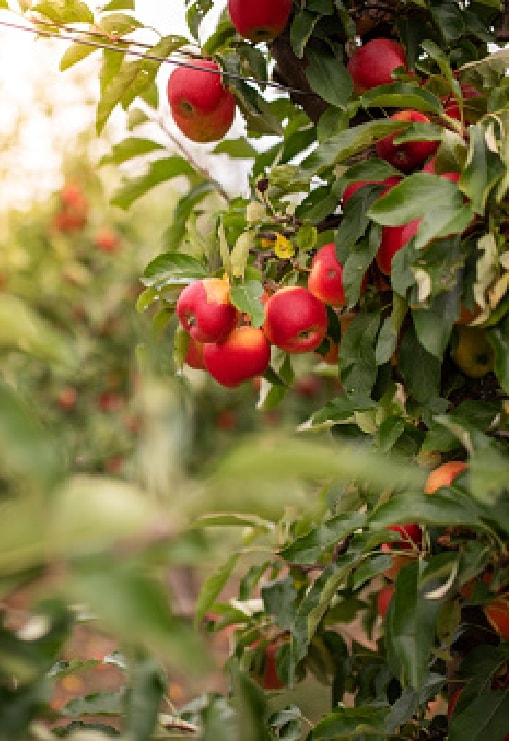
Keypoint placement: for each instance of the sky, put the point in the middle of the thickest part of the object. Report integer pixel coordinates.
(43, 110)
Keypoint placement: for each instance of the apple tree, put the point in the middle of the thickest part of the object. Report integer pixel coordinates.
(370, 238)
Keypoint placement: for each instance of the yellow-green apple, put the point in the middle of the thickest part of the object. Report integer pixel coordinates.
(383, 599)
(260, 20)
(200, 104)
(408, 155)
(295, 320)
(472, 352)
(373, 63)
(244, 354)
(444, 475)
(205, 310)
(194, 355)
(354, 187)
(393, 239)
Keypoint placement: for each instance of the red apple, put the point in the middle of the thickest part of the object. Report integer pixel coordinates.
(194, 355)
(271, 679)
(353, 187)
(205, 310)
(244, 354)
(408, 155)
(107, 240)
(259, 20)
(383, 599)
(295, 320)
(200, 104)
(373, 63)
(393, 239)
(411, 537)
(325, 280)
(67, 398)
(443, 475)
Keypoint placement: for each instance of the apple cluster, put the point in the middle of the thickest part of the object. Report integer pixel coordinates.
(202, 106)
(225, 344)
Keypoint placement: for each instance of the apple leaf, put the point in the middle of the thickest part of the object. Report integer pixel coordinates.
(157, 172)
(246, 297)
(499, 339)
(416, 196)
(75, 53)
(357, 361)
(310, 547)
(349, 142)
(401, 95)
(173, 267)
(213, 586)
(348, 723)
(411, 627)
(419, 368)
(482, 171)
(71, 11)
(328, 77)
(129, 148)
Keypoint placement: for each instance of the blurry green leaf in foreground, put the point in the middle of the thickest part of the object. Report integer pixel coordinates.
(21, 328)
(252, 477)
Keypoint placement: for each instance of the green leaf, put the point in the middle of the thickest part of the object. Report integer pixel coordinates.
(185, 208)
(433, 325)
(118, 5)
(411, 627)
(65, 11)
(237, 148)
(351, 723)
(239, 255)
(310, 547)
(401, 95)
(347, 143)
(118, 24)
(328, 77)
(157, 172)
(419, 368)
(129, 148)
(143, 699)
(213, 587)
(357, 361)
(499, 339)
(173, 267)
(76, 53)
(483, 169)
(414, 197)
(442, 509)
(279, 600)
(96, 703)
(246, 297)
(301, 29)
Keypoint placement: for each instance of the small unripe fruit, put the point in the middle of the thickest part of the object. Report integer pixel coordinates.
(373, 63)
(295, 320)
(200, 104)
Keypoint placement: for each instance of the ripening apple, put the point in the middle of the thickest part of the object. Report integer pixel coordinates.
(201, 106)
(205, 310)
(295, 320)
(408, 155)
(325, 280)
(451, 105)
(107, 240)
(444, 475)
(410, 542)
(373, 63)
(393, 239)
(383, 599)
(244, 354)
(472, 352)
(497, 614)
(194, 355)
(259, 21)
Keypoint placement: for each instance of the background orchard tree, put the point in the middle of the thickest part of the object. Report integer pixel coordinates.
(420, 328)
